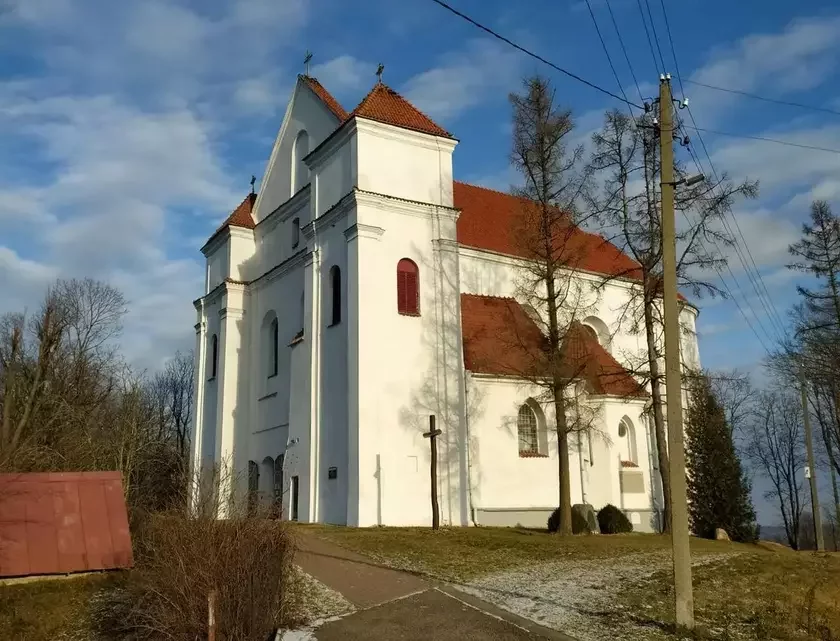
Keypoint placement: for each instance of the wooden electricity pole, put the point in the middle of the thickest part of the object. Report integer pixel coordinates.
(432, 435)
(683, 595)
(812, 472)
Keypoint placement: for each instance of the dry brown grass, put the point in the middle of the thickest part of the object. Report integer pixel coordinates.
(51, 609)
(458, 554)
(761, 594)
(741, 591)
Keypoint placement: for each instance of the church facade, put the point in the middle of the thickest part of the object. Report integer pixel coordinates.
(364, 290)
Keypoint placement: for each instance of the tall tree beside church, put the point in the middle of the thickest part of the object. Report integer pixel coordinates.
(554, 182)
(626, 162)
(718, 489)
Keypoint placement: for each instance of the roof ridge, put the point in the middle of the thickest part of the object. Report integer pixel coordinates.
(325, 96)
(510, 298)
(490, 189)
(386, 114)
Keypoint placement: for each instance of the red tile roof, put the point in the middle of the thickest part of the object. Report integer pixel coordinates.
(590, 361)
(383, 104)
(326, 97)
(492, 220)
(241, 216)
(500, 338)
(57, 523)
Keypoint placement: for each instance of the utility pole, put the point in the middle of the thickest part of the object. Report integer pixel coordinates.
(683, 595)
(812, 472)
(432, 435)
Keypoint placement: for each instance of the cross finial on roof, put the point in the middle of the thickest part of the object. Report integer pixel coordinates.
(306, 59)
(379, 71)
(253, 182)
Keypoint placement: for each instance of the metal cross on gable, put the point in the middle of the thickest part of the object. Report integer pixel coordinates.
(379, 71)
(306, 60)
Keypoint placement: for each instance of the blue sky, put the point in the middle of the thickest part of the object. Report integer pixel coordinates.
(128, 130)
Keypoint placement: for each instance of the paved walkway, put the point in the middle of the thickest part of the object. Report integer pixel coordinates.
(396, 605)
(357, 578)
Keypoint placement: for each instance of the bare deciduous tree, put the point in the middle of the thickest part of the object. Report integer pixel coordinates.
(626, 161)
(775, 448)
(547, 235)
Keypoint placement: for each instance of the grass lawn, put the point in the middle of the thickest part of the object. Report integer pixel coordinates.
(50, 609)
(459, 554)
(741, 591)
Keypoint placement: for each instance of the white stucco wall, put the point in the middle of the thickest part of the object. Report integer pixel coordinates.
(305, 112)
(404, 164)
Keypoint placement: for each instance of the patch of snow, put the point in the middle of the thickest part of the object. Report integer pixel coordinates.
(577, 597)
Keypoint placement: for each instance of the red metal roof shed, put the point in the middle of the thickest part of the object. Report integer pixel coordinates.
(58, 523)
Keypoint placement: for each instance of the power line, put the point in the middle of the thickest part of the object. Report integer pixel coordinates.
(755, 96)
(624, 49)
(766, 303)
(655, 35)
(647, 33)
(609, 57)
(763, 139)
(732, 296)
(533, 55)
(673, 51)
(756, 279)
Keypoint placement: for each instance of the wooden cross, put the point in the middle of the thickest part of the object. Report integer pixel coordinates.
(306, 60)
(379, 71)
(432, 435)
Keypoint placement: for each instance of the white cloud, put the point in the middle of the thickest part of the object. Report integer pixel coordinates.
(799, 57)
(345, 74)
(466, 78)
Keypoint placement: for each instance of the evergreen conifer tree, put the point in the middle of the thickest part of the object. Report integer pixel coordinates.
(718, 489)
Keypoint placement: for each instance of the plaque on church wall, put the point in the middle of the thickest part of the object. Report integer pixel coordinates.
(332, 473)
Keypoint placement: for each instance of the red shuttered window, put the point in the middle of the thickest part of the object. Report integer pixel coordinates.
(408, 288)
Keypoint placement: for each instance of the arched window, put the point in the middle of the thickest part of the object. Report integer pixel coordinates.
(278, 485)
(267, 482)
(214, 355)
(253, 486)
(295, 232)
(408, 288)
(335, 290)
(627, 441)
(274, 341)
(526, 426)
(598, 329)
(300, 172)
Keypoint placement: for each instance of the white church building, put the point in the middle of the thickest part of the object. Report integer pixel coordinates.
(363, 290)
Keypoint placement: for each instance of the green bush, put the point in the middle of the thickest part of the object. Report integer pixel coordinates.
(554, 521)
(611, 520)
(579, 525)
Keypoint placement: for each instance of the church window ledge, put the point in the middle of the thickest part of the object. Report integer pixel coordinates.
(629, 464)
(211, 379)
(270, 376)
(267, 396)
(297, 339)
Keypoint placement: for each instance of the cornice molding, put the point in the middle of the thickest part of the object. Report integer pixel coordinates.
(360, 230)
(405, 206)
(298, 202)
(401, 134)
